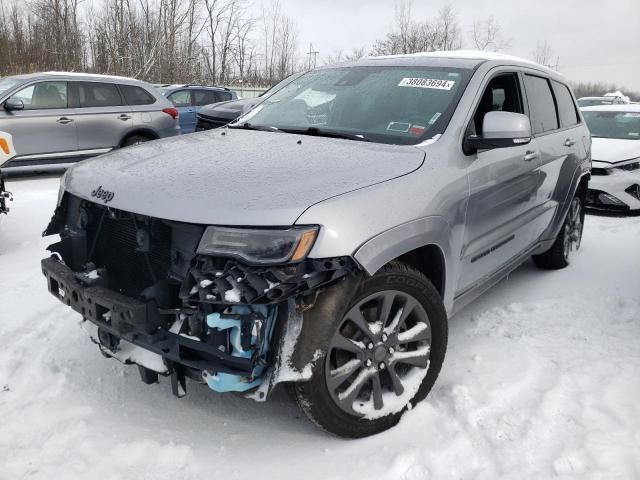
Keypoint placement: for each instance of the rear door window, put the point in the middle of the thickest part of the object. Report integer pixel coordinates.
(223, 96)
(95, 94)
(567, 110)
(181, 98)
(44, 95)
(542, 105)
(135, 95)
(204, 97)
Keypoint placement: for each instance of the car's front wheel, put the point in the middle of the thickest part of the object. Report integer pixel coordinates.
(567, 241)
(384, 355)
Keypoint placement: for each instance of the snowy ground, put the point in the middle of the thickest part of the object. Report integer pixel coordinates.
(541, 381)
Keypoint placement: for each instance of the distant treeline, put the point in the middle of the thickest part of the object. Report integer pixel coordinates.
(598, 89)
(218, 42)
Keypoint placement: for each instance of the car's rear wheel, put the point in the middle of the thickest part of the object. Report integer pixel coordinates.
(135, 140)
(384, 355)
(567, 241)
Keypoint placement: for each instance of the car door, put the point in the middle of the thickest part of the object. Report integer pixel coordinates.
(103, 117)
(503, 185)
(562, 143)
(181, 99)
(45, 129)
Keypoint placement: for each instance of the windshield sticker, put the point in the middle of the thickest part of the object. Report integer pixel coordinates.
(399, 127)
(417, 130)
(427, 83)
(634, 134)
(632, 115)
(435, 118)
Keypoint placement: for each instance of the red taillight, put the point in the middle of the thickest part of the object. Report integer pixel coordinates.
(173, 112)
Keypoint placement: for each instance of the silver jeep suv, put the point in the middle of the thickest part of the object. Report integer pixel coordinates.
(323, 240)
(55, 119)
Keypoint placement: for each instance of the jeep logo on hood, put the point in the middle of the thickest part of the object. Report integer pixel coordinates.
(105, 195)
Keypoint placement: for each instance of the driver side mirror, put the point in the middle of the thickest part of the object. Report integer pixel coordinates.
(500, 130)
(13, 104)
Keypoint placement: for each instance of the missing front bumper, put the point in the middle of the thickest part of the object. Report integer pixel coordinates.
(129, 319)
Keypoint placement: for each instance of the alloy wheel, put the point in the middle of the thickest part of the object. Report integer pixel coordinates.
(573, 228)
(379, 355)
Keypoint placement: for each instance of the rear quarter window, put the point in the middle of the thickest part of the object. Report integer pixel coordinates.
(135, 95)
(542, 106)
(95, 94)
(567, 110)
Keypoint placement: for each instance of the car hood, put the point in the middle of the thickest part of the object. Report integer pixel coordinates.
(613, 150)
(231, 109)
(236, 177)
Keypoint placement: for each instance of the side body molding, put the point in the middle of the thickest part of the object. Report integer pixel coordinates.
(396, 241)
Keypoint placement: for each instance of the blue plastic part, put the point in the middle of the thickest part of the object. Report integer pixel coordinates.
(225, 382)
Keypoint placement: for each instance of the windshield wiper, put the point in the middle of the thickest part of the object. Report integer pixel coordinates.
(260, 128)
(317, 132)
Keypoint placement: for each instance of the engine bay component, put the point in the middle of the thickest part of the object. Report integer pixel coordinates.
(226, 281)
(249, 329)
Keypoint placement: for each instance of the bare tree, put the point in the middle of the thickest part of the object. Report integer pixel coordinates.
(440, 33)
(544, 55)
(487, 35)
(448, 29)
(157, 40)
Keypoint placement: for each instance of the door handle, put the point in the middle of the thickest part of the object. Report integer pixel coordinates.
(569, 142)
(530, 155)
(124, 117)
(64, 120)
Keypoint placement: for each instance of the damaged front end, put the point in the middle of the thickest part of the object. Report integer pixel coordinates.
(168, 297)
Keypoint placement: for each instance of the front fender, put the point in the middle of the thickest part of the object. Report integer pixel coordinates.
(396, 241)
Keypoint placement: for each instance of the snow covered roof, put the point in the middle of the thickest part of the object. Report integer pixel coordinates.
(459, 58)
(75, 74)
(465, 54)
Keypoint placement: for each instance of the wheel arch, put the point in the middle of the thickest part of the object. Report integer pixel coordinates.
(143, 132)
(425, 244)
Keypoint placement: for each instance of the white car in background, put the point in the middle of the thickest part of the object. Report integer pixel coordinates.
(615, 173)
(607, 99)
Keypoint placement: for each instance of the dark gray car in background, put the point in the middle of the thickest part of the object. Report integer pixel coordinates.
(220, 114)
(324, 239)
(56, 119)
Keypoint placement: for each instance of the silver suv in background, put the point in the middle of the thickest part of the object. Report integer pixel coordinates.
(324, 238)
(56, 119)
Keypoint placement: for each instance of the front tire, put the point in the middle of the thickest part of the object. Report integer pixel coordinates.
(568, 240)
(385, 355)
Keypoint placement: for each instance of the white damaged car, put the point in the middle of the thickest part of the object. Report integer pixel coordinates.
(615, 173)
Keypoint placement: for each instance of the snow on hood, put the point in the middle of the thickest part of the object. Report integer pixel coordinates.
(236, 177)
(613, 150)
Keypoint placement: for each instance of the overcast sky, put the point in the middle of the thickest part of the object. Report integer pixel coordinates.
(594, 40)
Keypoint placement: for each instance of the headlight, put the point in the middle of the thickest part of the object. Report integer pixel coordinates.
(259, 246)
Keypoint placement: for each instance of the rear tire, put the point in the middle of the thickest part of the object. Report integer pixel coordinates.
(393, 336)
(135, 140)
(568, 240)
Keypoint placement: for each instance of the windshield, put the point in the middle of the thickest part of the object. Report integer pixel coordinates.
(280, 85)
(609, 124)
(399, 105)
(7, 83)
